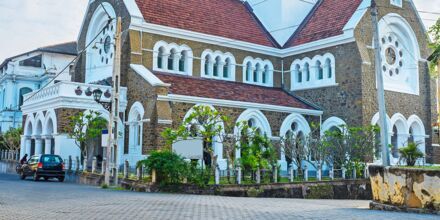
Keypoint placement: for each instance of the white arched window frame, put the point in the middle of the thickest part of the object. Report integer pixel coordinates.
(301, 127)
(218, 65)
(313, 73)
(172, 58)
(135, 120)
(400, 55)
(99, 60)
(255, 69)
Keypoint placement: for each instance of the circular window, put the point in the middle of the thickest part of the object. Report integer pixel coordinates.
(390, 55)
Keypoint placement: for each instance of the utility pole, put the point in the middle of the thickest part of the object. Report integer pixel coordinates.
(114, 114)
(380, 88)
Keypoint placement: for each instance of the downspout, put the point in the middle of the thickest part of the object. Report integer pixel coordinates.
(282, 74)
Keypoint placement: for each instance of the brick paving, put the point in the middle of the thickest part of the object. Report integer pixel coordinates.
(53, 200)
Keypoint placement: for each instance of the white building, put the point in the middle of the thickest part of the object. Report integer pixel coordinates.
(24, 73)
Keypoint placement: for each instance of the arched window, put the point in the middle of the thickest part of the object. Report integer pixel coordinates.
(226, 68)
(320, 70)
(265, 74)
(171, 58)
(299, 74)
(248, 71)
(256, 73)
(207, 65)
(328, 67)
(217, 66)
(182, 61)
(23, 91)
(160, 58)
(307, 71)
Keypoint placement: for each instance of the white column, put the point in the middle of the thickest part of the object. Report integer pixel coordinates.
(22, 146)
(38, 145)
(47, 144)
(28, 144)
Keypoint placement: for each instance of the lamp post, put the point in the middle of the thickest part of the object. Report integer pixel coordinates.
(97, 94)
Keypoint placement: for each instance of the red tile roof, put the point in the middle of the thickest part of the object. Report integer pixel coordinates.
(234, 91)
(327, 20)
(225, 18)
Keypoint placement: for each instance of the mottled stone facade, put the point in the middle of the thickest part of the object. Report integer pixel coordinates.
(353, 99)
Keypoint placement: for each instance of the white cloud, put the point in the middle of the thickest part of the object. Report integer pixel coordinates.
(29, 24)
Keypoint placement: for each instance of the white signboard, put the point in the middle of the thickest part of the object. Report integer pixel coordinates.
(189, 149)
(104, 138)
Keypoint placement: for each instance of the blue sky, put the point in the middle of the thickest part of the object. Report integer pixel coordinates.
(28, 24)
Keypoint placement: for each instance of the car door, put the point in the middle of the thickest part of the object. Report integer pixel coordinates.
(31, 165)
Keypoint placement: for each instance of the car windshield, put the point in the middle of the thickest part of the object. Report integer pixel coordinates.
(51, 159)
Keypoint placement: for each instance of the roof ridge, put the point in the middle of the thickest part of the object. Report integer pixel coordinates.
(267, 32)
(57, 44)
(303, 24)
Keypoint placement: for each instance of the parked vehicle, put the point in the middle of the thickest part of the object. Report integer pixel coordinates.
(43, 166)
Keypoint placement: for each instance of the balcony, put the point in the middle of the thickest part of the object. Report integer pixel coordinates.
(69, 95)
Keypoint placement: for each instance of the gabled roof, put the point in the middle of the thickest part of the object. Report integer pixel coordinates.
(226, 18)
(232, 91)
(327, 20)
(69, 48)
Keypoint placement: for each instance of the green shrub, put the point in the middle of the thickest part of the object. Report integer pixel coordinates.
(411, 154)
(170, 168)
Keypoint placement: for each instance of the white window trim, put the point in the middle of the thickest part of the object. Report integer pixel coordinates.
(167, 50)
(314, 82)
(263, 64)
(223, 57)
(398, 3)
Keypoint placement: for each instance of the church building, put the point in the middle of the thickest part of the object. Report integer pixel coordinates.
(278, 64)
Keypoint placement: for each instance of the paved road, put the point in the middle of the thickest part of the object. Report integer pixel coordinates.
(53, 200)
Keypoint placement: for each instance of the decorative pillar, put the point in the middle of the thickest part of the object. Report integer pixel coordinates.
(28, 145)
(38, 145)
(47, 144)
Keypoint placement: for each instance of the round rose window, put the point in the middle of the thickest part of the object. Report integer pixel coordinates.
(392, 56)
(105, 45)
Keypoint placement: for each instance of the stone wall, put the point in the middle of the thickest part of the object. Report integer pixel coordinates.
(63, 119)
(345, 189)
(345, 99)
(405, 189)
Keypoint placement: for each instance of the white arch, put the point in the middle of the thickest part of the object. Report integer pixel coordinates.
(259, 118)
(29, 125)
(95, 69)
(168, 47)
(39, 121)
(136, 108)
(396, 28)
(332, 122)
(262, 63)
(223, 57)
(416, 124)
(51, 117)
(217, 145)
(399, 121)
(302, 123)
(135, 120)
(375, 121)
